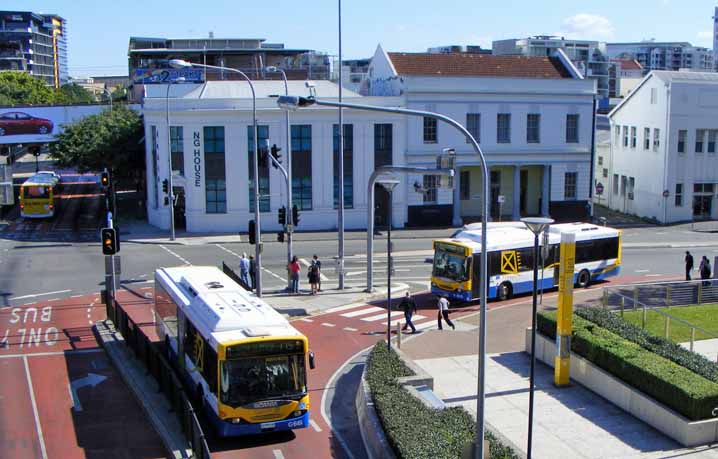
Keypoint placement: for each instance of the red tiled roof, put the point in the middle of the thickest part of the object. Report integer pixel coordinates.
(630, 64)
(477, 65)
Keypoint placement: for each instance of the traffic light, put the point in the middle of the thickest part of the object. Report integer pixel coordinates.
(280, 236)
(295, 215)
(105, 179)
(252, 232)
(110, 241)
(166, 186)
(282, 217)
(276, 155)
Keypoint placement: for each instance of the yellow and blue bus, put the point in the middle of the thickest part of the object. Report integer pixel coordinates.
(39, 196)
(456, 265)
(244, 362)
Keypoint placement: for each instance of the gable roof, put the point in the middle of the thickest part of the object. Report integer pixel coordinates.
(477, 65)
(629, 64)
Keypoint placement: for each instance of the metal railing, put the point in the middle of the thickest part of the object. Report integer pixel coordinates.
(659, 298)
(152, 356)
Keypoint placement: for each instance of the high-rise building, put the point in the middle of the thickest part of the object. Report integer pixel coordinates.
(34, 43)
(654, 55)
(715, 38)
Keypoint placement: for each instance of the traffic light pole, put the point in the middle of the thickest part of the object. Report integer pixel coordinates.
(290, 225)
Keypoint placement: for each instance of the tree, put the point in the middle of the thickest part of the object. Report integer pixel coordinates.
(73, 94)
(111, 139)
(20, 88)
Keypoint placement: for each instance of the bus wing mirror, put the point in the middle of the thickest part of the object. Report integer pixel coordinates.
(311, 360)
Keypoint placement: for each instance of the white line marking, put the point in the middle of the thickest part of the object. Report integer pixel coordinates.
(278, 454)
(58, 299)
(228, 251)
(176, 255)
(306, 320)
(315, 425)
(345, 307)
(653, 275)
(643, 270)
(304, 260)
(374, 318)
(75, 296)
(45, 354)
(349, 329)
(398, 321)
(361, 312)
(326, 324)
(28, 304)
(38, 294)
(355, 273)
(330, 384)
(34, 409)
(273, 274)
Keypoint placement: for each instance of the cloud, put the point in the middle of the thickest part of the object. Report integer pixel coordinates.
(587, 26)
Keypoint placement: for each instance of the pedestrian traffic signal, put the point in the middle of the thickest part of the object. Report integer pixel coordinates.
(276, 155)
(282, 215)
(280, 236)
(252, 232)
(166, 186)
(295, 215)
(110, 244)
(105, 179)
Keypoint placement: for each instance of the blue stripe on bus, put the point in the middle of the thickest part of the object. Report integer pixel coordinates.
(227, 429)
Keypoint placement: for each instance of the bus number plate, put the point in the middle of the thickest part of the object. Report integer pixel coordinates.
(268, 426)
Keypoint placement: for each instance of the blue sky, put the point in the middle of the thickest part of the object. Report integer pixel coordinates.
(99, 31)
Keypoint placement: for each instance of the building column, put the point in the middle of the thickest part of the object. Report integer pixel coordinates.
(516, 214)
(456, 219)
(545, 191)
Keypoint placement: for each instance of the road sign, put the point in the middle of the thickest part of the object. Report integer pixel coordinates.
(666, 193)
(501, 199)
(599, 188)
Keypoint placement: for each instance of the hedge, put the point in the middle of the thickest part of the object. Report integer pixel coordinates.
(413, 430)
(675, 386)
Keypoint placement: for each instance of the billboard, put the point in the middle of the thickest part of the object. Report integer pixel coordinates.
(167, 75)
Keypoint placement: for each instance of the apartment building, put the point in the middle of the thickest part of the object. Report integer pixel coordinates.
(34, 43)
(662, 162)
(653, 55)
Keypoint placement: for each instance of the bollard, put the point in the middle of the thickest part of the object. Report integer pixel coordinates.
(622, 304)
(644, 316)
(667, 330)
(398, 335)
(693, 336)
(668, 296)
(700, 292)
(635, 297)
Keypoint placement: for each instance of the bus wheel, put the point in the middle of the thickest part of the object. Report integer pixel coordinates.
(584, 279)
(505, 291)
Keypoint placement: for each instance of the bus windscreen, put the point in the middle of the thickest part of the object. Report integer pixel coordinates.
(257, 379)
(451, 263)
(36, 192)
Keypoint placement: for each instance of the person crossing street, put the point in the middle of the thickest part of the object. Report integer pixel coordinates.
(443, 306)
(409, 307)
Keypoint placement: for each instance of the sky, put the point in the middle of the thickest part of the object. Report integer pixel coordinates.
(98, 33)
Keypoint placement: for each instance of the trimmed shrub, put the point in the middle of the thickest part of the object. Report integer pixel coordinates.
(664, 380)
(414, 430)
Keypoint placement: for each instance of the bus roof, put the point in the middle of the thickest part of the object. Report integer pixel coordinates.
(505, 235)
(219, 307)
(41, 180)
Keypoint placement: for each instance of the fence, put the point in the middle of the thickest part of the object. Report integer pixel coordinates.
(659, 298)
(152, 356)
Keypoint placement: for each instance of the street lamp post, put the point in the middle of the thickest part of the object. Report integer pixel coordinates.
(293, 102)
(178, 63)
(389, 184)
(340, 165)
(290, 227)
(537, 226)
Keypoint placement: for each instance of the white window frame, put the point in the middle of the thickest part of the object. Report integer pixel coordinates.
(682, 138)
(656, 139)
(646, 138)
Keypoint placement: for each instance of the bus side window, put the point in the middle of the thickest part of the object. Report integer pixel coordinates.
(189, 341)
(210, 368)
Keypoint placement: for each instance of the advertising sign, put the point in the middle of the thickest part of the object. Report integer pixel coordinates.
(40, 124)
(168, 75)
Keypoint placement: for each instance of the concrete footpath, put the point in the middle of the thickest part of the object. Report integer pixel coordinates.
(569, 422)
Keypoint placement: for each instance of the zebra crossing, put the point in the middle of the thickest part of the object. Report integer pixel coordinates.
(368, 315)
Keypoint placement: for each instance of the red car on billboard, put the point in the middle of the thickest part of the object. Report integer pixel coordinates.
(12, 123)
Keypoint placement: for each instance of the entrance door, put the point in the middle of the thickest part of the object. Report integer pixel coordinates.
(702, 200)
(180, 219)
(495, 187)
(381, 207)
(524, 190)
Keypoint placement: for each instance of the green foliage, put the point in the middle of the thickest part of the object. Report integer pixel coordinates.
(413, 430)
(20, 88)
(110, 139)
(73, 94)
(703, 315)
(662, 379)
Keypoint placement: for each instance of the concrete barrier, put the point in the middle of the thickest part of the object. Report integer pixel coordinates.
(628, 398)
(372, 433)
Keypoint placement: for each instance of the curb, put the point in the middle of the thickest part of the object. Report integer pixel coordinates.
(145, 390)
(372, 433)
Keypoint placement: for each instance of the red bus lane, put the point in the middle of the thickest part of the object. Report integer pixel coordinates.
(66, 399)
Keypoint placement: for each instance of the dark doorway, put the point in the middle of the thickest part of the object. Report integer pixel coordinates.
(381, 207)
(495, 190)
(524, 191)
(180, 219)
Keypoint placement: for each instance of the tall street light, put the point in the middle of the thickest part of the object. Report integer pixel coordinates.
(169, 160)
(537, 226)
(178, 64)
(340, 165)
(290, 227)
(294, 102)
(389, 184)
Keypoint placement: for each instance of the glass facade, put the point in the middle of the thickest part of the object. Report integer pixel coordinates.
(263, 167)
(215, 173)
(348, 165)
(177, 146)
(302, 166)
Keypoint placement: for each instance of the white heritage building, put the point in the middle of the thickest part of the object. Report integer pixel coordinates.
(211, 141)
(533, 118)
(662, 162)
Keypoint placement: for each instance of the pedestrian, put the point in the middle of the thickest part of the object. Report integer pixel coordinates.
(244, 270)
(313, 275)
(443, 306)
(252, 271)
(409, 307)
(705, 269)
(689, 265)
(294, 269)
(319, 272)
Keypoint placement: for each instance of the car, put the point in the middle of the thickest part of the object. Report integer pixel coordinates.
(12, 123)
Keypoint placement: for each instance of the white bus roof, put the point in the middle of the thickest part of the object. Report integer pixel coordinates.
(42, 179)
(507, 235)
(219, 308)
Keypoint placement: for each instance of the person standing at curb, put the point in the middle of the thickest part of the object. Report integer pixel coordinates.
(689, 265)
(252, 271)
(244, 270)
(409, 307)
(705, 270)
(319, 272)
(294, 269)
(443, 306)
(313, 275)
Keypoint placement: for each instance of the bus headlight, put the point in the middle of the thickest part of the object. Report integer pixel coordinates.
(236, 420)
(297, 413)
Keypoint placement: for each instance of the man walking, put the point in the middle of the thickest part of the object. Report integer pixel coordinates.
(409, 307)
(705, 270)
(244, 270)
(443, 306)
(318, 264)
(252, 271)
(689, 265)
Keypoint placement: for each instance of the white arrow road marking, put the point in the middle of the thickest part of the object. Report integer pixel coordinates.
(91, 379)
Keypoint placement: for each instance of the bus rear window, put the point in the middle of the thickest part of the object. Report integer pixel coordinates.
(36, 192)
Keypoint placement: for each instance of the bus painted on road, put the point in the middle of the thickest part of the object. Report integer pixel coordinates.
(39, 196)
(456, 265)
(243, 361)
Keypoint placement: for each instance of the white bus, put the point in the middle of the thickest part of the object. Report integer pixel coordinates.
(510, 249)
(242, 359)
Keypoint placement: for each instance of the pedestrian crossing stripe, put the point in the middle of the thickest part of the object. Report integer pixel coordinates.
(509, 262)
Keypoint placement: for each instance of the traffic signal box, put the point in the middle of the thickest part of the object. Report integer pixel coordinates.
(165, 186)
(282, 215)
(105, 179)
(252, 232)
(110, 241)
(275, 154)
(295, 215)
